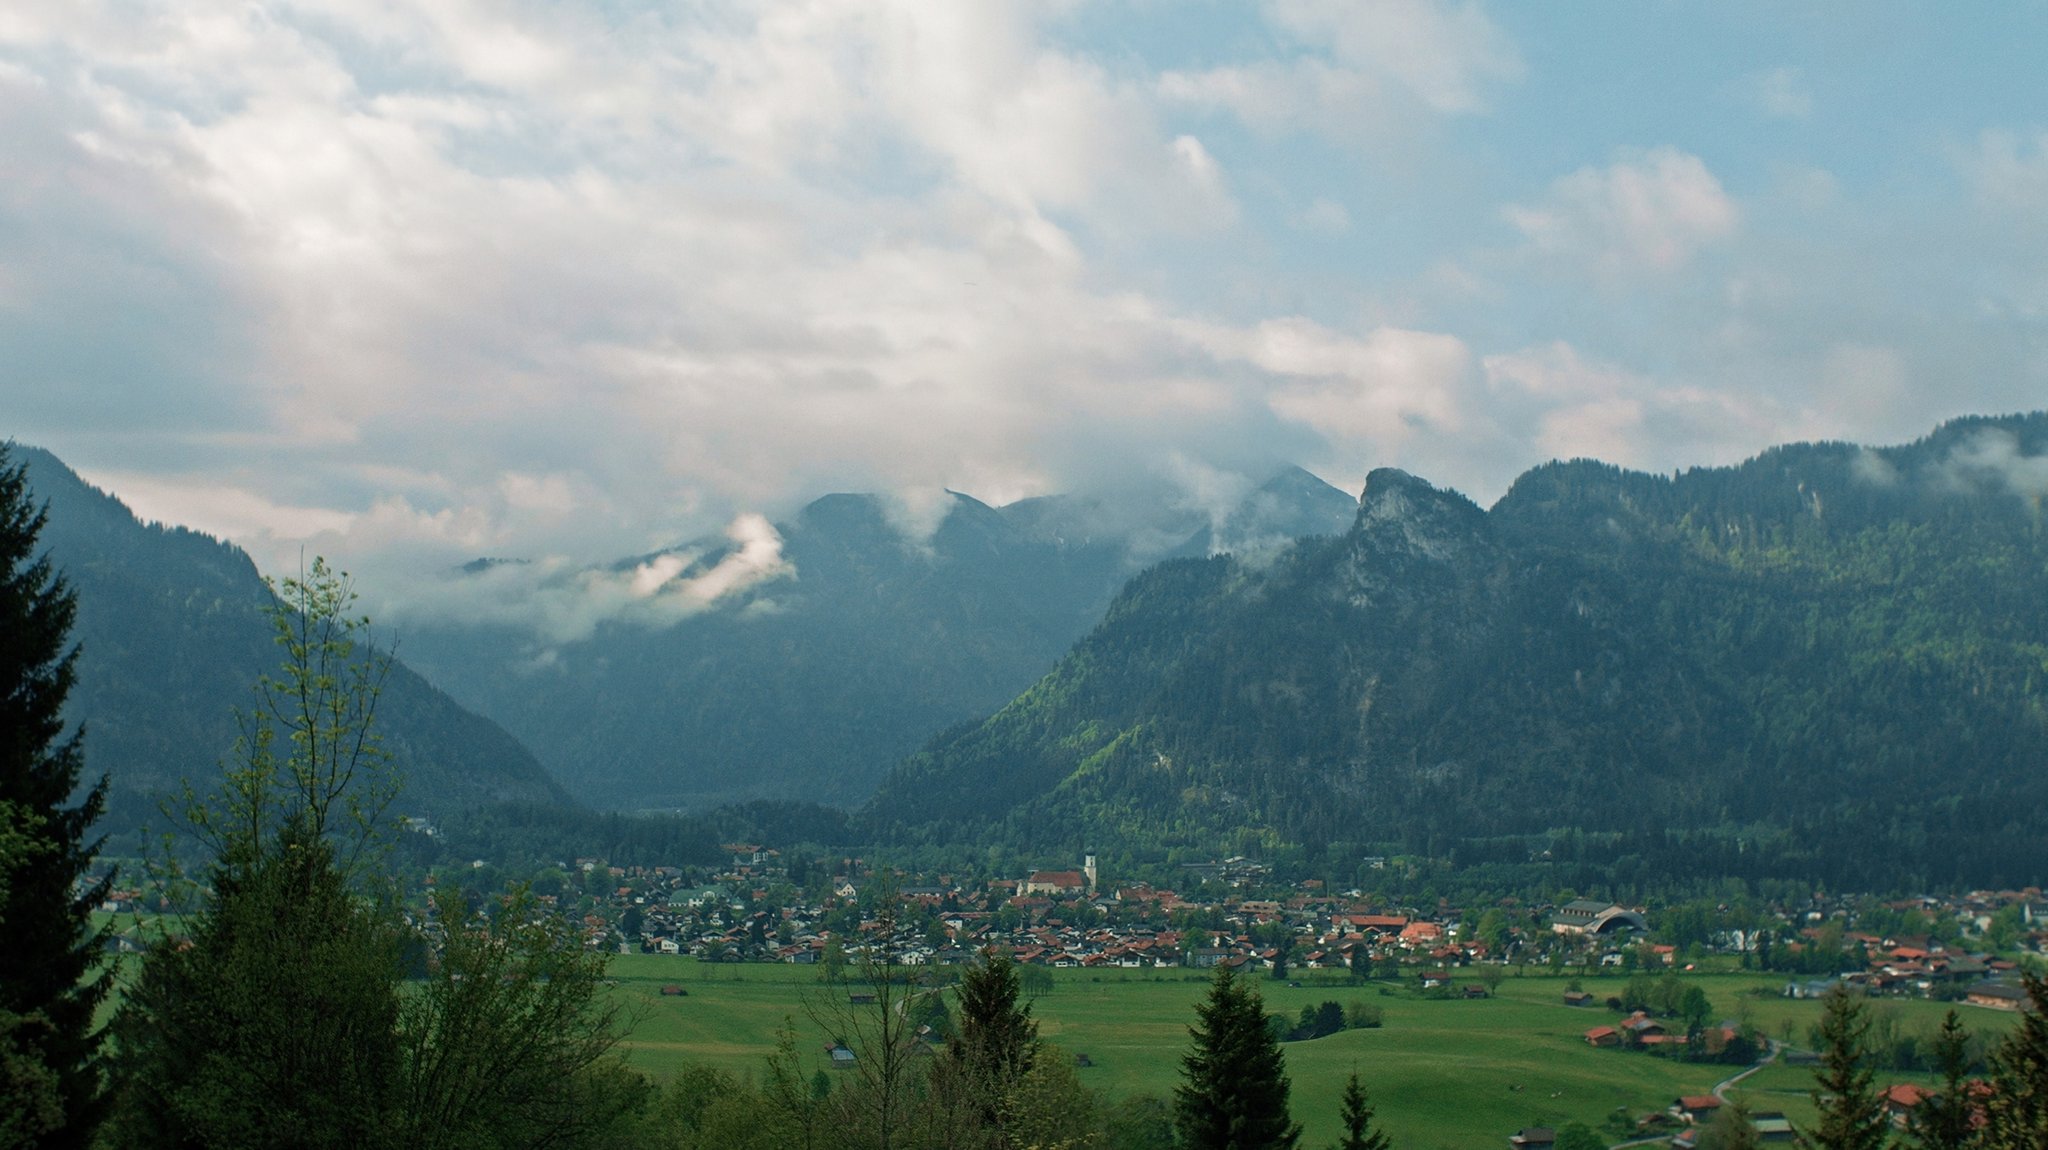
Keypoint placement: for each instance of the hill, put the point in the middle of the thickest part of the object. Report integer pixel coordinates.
(172, 636)
(1829, 662)
(813, 685)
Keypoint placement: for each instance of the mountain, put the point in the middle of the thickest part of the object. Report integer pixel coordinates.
(814, 684)
(1829, 662)
(172, 637)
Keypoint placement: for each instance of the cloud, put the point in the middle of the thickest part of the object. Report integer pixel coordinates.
(1580, 407)
(1358, 68)
(1996, 455)
(559, 602)
(1780, 93)
(1648, 211)
(2011, 173)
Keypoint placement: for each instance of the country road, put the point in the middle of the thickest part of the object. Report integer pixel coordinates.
(1721, 1089)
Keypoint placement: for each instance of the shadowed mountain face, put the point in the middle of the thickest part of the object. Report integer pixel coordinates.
(813, 685)
(1830, 661)
(172, 637)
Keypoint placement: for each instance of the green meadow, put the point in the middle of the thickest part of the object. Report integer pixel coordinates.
(1451, 1073)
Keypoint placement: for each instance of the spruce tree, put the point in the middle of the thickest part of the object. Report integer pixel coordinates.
(48, 993)
(2016, 1111)
(1851, 1113)
(1357, 1116)
(997, 1039)
(1945, 1121)
(1233, 1094)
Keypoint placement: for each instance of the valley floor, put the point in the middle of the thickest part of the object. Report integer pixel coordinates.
(1449, 1073)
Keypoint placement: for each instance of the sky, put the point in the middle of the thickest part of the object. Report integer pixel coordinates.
(409, 283)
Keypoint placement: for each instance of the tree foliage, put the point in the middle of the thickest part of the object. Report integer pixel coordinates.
(1233, 1093)
(1357, 1117)
(2016, 1112)
(277, 1019)
(50, 1075)
(1851, 1114)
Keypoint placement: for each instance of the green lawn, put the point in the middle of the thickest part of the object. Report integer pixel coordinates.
(1442, 1072)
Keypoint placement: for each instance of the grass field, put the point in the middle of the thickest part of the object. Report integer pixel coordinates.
(1442, 1072)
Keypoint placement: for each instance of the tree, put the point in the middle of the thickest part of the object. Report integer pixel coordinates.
(1943, 1121)
(997, 1041)
(1851, 1115)
(53, 1088)
(879, 1105)
(507, 1044)
(2016, 1111)
(1357, 1117)
(275, 1022)
(1578, 1136)
(1233, 1094)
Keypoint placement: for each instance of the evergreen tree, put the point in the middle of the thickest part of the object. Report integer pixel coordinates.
(1943, 1122)
(1357, 1117)
(1851, 1113)
(997, 1041)
(1234, 1090)
(2016, 1111)
(48, 1041)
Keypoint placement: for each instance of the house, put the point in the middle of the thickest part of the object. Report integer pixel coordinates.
(1771, 1126)
(1904, 1100)
(1696, 1108)
(1997, 996)
(1533, 1138)
(1577, 998)
(1603, 1036)
(840, 1057)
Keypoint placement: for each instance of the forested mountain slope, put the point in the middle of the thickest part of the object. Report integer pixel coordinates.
(172, 637)
(1828, 662)
(813, 685)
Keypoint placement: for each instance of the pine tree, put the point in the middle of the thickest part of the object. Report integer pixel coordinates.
(1234, 1090)
(2016, 1111)
(1851, 1113)
(48, 994)
(1943, 1121)
(1357, 1117)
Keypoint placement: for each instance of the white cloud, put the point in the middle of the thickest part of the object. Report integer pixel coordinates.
(1578, 407)
(1358, 68)
(1780, 93)
(1650, 211)
(1325, 217)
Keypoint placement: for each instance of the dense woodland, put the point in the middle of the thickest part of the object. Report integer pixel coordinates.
(1829, 662)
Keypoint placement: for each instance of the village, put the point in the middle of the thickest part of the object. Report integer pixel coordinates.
(1232, 913)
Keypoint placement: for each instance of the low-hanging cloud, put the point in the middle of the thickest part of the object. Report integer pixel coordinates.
(558, 602)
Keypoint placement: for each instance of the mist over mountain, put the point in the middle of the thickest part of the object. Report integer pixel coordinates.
(172, 637)
(1829, 661)
(812, 669)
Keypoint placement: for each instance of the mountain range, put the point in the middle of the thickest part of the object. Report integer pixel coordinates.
(872, 638)
(1830, 660)
(172, 635)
